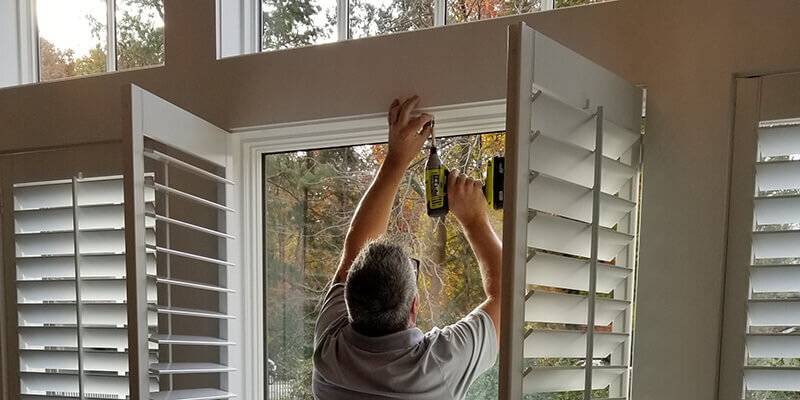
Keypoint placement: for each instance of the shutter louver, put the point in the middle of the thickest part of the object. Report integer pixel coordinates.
(579, 139)
(172, 185)
(71, 288)
(772, 341)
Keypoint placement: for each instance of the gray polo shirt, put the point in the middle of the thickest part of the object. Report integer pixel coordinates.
(440, 364)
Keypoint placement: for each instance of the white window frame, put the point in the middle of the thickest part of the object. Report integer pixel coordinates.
(251, 143)
(111, 35)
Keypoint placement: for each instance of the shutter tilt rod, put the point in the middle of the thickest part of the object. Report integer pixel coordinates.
(590, 318)
(77, 252)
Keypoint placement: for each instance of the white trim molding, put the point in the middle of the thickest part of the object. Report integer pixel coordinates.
(19, 63)
(254, 142)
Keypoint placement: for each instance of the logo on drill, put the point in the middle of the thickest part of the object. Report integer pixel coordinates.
(435, 186)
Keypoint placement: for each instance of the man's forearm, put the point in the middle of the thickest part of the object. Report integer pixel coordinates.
(489, 252)
(371, 218)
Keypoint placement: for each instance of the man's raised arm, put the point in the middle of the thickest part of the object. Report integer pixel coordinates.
(468, 204)
(371, 219)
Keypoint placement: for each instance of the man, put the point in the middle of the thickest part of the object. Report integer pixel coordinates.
(366, 343)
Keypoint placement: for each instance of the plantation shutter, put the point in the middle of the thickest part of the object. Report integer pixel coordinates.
(773, 310)
(760, 353)
(572, 164)
(71, 294)
(190, 162)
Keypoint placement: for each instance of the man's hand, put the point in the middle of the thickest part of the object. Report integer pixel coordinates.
(407, 133)
(466, 199)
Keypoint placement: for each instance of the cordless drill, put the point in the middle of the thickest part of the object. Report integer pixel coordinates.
(436, 182)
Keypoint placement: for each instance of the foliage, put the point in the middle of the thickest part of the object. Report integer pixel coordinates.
(290, 23)
(54, 62)
(140, 42)
(369, 19)
(140, 34)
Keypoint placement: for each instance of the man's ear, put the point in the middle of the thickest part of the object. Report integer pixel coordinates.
(412, 316)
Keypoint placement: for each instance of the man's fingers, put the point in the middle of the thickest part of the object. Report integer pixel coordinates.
(407, 108)
(394, 109)
(418, 123)
(460, 179)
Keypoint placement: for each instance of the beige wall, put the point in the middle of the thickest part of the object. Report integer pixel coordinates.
(685, 51)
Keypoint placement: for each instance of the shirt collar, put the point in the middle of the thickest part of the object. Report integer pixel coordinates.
(376, 344)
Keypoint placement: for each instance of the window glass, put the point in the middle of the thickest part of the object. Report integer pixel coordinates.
(294, 23)
(570, 3)
(140, 33)
(72, 38)
(475, 10)
(310, 197)
(377, 17)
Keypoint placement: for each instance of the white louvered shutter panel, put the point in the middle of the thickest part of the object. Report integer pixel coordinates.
(195, 221)
(773, 317)
(69, 348)
(574, 229)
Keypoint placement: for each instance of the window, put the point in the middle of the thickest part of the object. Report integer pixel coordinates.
(140, 33)
(74, 36)
(295, 23)
(772, 355)
(377, 17)
(310, 197)
(474, 10)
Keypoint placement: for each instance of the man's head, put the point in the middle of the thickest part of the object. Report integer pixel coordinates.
(381, 290)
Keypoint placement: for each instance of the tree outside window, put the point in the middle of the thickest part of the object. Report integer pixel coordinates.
(73, 38)
(140, 33)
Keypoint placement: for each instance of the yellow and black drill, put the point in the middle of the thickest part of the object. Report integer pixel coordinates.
(436, 181)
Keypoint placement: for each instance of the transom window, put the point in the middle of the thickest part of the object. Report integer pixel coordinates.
(295, 23)
(85, 37)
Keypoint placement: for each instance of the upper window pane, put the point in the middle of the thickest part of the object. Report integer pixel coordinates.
(475, 10)
(72, 38)
(294, 23)
(140, 33)
(377, 17)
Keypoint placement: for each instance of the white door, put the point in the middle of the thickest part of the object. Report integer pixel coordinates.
(572, 181)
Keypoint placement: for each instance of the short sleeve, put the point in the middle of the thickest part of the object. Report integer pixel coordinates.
(466, 349)
(334, 310)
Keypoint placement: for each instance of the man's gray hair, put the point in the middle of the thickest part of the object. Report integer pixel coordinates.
(380, 289)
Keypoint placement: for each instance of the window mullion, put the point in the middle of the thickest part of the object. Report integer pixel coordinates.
(439, 12)
(111, 35)
(548, 5)
(342, 22)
